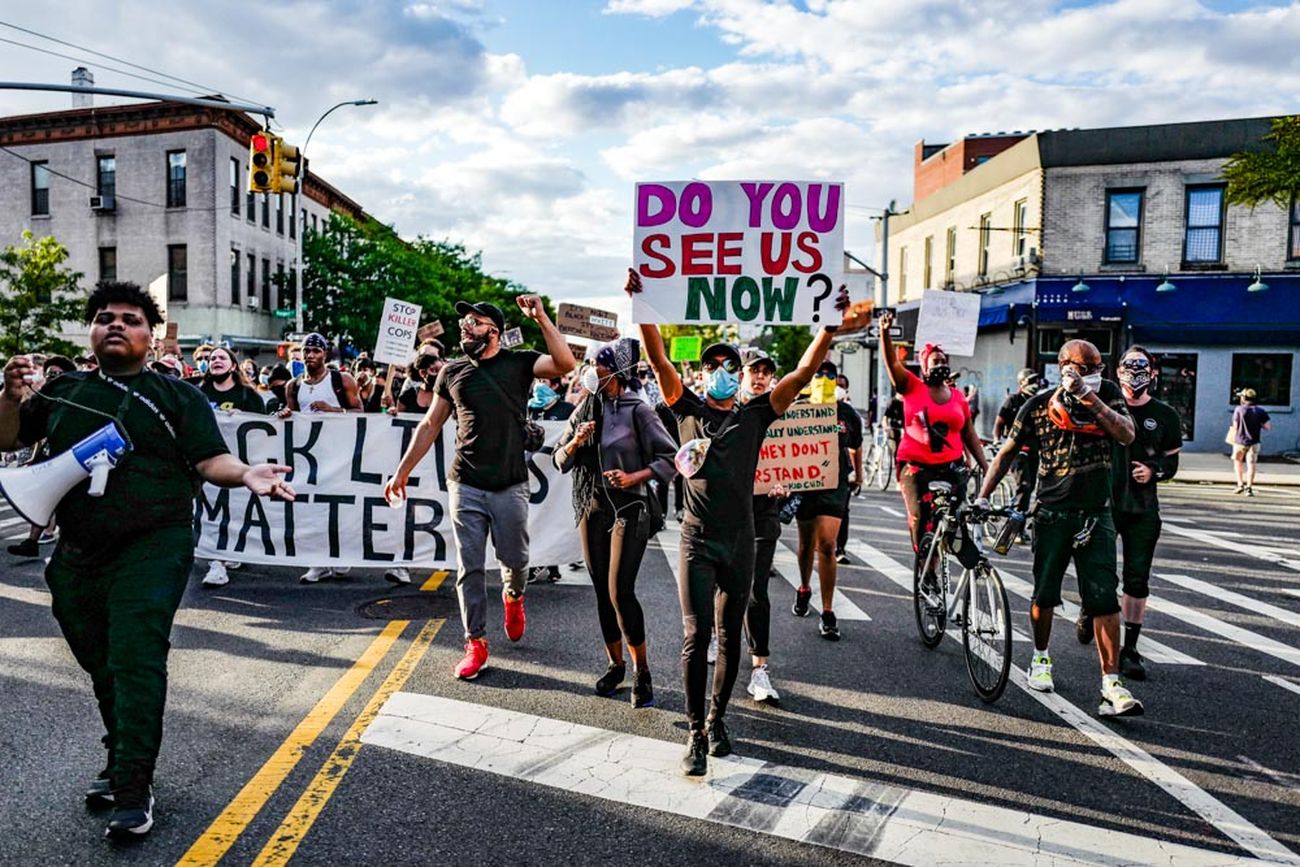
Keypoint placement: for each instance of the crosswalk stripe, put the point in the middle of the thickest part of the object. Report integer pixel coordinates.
(1171, 526)
(892, 823)
(1283, 682)
(786, 562)
(1291, 618)
(9, 522)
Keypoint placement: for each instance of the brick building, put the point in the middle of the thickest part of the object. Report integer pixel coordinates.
(156, 193)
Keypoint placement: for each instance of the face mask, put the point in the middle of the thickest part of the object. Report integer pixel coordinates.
(1093, 381)
(841, 393)
(591, 380)
(938, 375)
(223, 376)
(203, 366)
(1135, 375)
(473, 347)
(721, 384)
(264, 380)
(278, 391)
(297, 368)
(822, 390)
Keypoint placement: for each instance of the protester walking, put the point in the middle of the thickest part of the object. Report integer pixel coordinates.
(1249, 421)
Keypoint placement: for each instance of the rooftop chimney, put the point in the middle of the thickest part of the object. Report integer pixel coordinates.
(82, 77)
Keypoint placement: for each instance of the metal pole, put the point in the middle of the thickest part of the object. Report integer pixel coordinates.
(140, 94)
(882, 381)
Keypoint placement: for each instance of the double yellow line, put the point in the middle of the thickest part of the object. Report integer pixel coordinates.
(226, 829)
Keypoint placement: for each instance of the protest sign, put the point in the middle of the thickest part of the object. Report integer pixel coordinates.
(685, 349)
(801, 450)
(340, 516)
(948, 319)
(579, 351)
(512, 338)
(397, 327)
(171, 339)
(738, 251)
(587, 322)
(429, 331)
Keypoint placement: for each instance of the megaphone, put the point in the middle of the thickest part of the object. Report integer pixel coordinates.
(34, 491)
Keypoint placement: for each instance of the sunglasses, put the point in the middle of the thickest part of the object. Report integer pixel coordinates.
(727, 364)
(1087, 369)
(1138, 362)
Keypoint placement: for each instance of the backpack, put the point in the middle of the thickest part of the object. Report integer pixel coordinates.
(336, 383)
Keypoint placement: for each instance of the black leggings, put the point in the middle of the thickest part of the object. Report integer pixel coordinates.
(758, 616)
(713, 564)
(616, 603)
(914, 482)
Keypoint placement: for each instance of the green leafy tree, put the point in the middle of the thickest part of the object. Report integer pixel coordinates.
(37, 295)
(786, 344)
(1270, 173)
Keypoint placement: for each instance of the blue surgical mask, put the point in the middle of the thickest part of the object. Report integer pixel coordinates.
(297, 368)
(203, 366)
(721, 384)
(264, 379)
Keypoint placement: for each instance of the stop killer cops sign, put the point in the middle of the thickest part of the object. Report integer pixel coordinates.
(397, 327)
(738, 251)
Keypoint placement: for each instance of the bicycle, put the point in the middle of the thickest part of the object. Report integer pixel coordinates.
(985, 616)
(878, 465)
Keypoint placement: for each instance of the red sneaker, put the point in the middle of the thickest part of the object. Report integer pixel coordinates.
(476, 656)
(516, 620)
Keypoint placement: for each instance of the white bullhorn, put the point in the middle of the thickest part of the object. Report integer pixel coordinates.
(35, 490)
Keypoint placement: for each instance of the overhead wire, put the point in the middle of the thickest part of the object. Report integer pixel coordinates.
(102, 66)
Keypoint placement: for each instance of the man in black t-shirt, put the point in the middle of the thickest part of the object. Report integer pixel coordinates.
(720, 440)
(1136, 468)
(120, 568)
(1025, 467)
(1073, 428)
(488, 390)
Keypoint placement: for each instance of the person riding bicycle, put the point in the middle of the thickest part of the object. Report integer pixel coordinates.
(937, 431)
(1073, 429)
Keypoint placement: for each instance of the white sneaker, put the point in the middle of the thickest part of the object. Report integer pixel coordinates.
(713, 649)
(216, 576)
(48, 537)
(760, 685)
(1040, 673)
(1116, 700)
(398, 575)
(315, 573)
(233, 565)
(340, 570)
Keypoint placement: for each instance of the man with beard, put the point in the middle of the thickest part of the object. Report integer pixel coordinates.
(119, 571)
(488, 482)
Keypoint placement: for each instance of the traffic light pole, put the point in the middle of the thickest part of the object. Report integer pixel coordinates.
(140, 94)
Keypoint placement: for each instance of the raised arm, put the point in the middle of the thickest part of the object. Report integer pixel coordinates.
(893, 366)
(670, 382)
(793, 382)
(559, 357)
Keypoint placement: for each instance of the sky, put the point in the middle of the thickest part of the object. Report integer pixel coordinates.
(519, 127)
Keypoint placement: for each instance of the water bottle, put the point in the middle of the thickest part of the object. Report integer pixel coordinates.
(1011, 529)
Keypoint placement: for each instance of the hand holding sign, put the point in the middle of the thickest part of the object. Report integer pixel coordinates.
(633, 284)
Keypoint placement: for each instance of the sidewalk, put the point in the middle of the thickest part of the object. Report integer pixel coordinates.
(1210, 467)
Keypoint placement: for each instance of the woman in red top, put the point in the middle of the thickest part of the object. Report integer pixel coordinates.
(937, 429)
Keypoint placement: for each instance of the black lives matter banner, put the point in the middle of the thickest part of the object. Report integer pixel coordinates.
(340, 518)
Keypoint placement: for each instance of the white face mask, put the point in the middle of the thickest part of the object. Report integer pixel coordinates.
(591, 380)
(1093, 381)
(841, 393)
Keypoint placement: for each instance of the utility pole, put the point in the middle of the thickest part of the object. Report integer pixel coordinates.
(882, 372)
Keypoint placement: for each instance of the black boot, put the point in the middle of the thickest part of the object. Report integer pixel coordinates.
(132, 805)
(643, 694)
(696, 761)
(719, 743)
(611, 680)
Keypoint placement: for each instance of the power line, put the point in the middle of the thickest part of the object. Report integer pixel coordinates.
(101, 66)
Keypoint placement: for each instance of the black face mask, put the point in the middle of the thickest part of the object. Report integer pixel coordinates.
(938, 375)
(221, 377)
(474, 347)
(278, 391)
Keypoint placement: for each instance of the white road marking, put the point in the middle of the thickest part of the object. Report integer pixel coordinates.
(1293, 591)
(859, 816)
(786, 563)
(890, 510)
(1283, 682)
(9, 522)
(1291, 618)
(1171, 525)
(1279, 778)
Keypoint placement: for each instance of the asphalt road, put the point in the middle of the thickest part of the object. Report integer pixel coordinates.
(271, 728)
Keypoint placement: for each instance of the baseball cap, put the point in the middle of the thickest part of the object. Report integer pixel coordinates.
(482, 308)
(752, 355)
(715, 349)
(828, 369)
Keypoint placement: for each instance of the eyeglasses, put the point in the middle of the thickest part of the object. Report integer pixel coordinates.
(471, 323)
(1086, 369)
(1137, 362)
(727, 364)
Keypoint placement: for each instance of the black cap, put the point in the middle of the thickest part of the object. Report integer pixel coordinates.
(279, 373)
(726, 349)
(828, 368)
(482, 308)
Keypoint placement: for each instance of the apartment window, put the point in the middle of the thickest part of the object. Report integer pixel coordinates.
(1019, 224)
(986, 232)
(176, 179)
(1268, 373)
(927, 263)
(266, 210)
(250, 201)
(40, 189)
(234, 186)
(1293, 248)
(279, 213)
(106, 176)
(234, 276)
(1203, 241)
(1123, 226)
(902, 272)
(281, 288)
(293, 224)
(293, 289)
(266, 284)
(252, 276)
(313, 222)
(950, 265)
(107, 263)
(177, 276)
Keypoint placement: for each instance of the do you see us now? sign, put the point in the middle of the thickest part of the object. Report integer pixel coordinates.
(767, 252)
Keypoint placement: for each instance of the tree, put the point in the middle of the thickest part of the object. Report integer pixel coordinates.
(37, 297)
(1270, 173)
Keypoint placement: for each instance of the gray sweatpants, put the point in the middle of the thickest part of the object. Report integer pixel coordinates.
(475, 513)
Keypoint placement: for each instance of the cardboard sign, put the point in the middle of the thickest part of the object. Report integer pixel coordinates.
(950, 320)
(587, 322)
(769, 252)
(429, 331)
(512, 338)
(579, 351)
(801, 450)
(171, 343)
(685, 349)
(397, 327)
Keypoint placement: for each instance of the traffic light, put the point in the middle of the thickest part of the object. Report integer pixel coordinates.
(287, 165)
(261, 160)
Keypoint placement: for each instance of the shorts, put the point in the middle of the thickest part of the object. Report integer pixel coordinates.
(1094, 562)
(831, 503)
(1247, 453)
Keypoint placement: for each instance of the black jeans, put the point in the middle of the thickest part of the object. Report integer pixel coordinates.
(1140, 531)
(714, 563)
(758, 615)
(914, 483)
(116, 614)
(616, 603)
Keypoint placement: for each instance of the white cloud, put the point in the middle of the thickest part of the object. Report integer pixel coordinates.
(649, 8)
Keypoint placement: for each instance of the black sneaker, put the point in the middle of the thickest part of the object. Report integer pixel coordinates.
(643, 695)
(696, 761)
(829, 629)
(719, 743)
(1083, 628)
(132, 810)
(25, 548)
(611, 680)
(1131, 665)
(802, 596)
(841, 557)
(99, 794)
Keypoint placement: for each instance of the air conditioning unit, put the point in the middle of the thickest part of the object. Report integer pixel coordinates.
(103, 203)
(251, 301)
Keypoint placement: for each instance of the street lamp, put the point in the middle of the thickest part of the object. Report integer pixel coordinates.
(294, 204)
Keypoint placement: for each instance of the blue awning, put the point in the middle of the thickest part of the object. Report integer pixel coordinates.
(996, 306)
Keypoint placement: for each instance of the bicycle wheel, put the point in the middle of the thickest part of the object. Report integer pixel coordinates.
(885, 466)
(986, 632)
(928, 602)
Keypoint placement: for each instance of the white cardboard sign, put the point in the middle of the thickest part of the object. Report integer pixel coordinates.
(397, 327)
(950, 320)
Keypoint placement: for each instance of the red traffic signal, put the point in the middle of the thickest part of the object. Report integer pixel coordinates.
(260, 160)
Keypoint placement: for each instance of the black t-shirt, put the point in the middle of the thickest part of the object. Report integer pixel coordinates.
(850, 437)
(409, 399)
(489, 431)
(1011, 408)
(241, 397)
(558, 411)
(721, 495)
(1159, 432)
(153, 485)
(373, 403)
(1073, 467)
